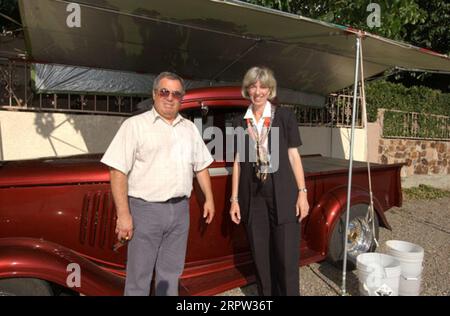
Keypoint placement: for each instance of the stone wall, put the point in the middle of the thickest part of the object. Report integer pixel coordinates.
(420, 156)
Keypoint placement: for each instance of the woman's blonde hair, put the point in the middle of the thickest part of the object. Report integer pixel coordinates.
(265, 77)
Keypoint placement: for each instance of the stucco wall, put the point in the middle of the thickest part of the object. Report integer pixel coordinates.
(332, 142)
(374, 135)
(25, 135)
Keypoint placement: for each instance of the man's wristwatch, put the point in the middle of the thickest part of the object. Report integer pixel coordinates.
(303, 190)
(233, 199)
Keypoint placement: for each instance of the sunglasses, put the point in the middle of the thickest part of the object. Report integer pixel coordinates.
(164, 93)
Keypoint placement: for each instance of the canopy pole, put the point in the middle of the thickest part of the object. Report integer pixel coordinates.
(350, 167)
(370, 216)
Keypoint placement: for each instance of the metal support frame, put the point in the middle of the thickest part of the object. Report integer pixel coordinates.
(350, 166)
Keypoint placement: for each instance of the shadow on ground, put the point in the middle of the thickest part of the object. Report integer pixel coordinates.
(333, 275)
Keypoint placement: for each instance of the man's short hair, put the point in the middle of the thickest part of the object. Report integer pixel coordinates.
(168, 75)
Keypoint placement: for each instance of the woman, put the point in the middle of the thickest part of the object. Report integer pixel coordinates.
(269, 196)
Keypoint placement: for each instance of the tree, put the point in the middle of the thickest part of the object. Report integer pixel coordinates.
(424, 23)
(434, 33)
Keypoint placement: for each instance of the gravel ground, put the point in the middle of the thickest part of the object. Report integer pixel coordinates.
(426, 223)
(437, 181)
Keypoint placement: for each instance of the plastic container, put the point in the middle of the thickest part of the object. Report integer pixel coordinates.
(410, 257)
(379, 274)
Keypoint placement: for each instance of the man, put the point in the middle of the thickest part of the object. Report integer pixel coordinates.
(152, 159)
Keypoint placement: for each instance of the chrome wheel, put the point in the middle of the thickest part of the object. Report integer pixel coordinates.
(359, 237)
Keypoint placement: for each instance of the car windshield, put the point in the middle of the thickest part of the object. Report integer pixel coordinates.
(218, 117)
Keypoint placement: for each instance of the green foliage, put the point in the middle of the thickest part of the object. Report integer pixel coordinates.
(383, 94)
(403, 124)
(434, 32)
(419, 99)
(421, 22)
(425, 192)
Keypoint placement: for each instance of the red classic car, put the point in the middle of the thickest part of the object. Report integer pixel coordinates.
(57, 218)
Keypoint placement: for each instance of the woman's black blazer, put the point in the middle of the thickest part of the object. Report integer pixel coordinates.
(285, 186)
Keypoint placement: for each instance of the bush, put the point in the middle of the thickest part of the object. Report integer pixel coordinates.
(383, 94)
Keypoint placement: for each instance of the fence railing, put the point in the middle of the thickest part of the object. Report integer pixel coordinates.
(401, 124)
(16, 93)
(336, 113)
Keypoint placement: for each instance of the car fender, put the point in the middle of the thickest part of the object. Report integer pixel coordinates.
(37, 258)
(328, 210)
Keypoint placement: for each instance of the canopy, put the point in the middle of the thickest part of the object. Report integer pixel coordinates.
(211, 40)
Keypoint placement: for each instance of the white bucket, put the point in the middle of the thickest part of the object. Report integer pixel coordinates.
(411, 257)
(379, 274)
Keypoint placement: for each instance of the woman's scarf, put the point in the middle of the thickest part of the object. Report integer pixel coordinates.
(262, 166)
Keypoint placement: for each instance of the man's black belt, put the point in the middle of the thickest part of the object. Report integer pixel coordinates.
(176, 199)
